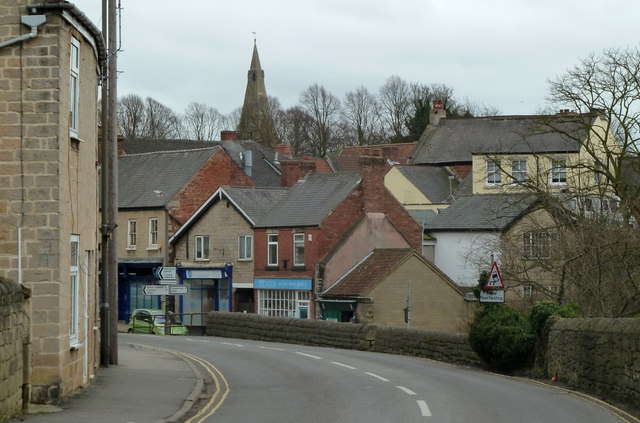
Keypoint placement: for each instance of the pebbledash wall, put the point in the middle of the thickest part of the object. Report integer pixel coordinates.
(14, 338)
(598, 356)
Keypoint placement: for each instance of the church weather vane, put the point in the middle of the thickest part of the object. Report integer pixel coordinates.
(254, 36)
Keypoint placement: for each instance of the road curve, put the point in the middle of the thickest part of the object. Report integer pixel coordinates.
(270, 382)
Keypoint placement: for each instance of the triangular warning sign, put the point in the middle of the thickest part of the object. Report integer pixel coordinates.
(495, 279)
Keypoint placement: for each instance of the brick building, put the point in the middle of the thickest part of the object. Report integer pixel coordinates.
(51, 57)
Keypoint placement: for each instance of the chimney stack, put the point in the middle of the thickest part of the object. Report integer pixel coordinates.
(437, 112)
(228, 136)
(283, 149)
(291, 171)
(373, 169)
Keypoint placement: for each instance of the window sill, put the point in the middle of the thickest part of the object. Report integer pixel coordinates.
(75, 346)
(156, 248)
(245, 260)
(131, 248)
(201, 259)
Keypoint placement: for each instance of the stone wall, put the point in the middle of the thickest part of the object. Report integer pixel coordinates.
(599, 356)
(13, 333)
(452, 348)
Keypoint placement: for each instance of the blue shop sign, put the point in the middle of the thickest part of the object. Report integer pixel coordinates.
(301, 284)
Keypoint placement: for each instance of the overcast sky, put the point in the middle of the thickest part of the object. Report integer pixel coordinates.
(496, 52)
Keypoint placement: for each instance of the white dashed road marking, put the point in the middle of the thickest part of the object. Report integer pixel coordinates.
(424, 408)
(406, 390)
(309, 355)
(271, 348)
(343, 365)
(229, 343)
(377, 377)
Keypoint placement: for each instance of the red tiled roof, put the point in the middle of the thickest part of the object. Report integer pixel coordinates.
(370, 272)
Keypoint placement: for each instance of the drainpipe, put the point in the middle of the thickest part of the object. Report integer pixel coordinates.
(34, 21)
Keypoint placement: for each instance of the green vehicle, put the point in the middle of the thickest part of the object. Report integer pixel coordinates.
(146, 320)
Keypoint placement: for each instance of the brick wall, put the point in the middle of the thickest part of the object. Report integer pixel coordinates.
(14, 332)
(219, 170)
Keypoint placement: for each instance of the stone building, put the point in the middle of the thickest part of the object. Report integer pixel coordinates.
(51, 58)
(256, 122)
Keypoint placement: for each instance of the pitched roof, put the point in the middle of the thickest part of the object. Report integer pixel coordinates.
(264, 170)
(493, 212)
(372, 270)
(255, 202)
(311, 200)
(456, 140)
(150, 180)
(432, 181)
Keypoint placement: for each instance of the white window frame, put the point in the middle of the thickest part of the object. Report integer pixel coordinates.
(74, 87)
(132, 237)
(536, 245)
(202, 248)
(494, 174)
(558, 174)
(74, 289)
(282, 302)
(153, 233)
(245, 247)
(272, 250)
(527, 291)
(298, 242)
(519, 171)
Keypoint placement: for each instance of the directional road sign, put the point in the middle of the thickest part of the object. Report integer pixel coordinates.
(178, 290)
(166, 273)
(155, 289)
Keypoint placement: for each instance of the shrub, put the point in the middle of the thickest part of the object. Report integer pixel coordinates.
(543, 310)
(502, 337)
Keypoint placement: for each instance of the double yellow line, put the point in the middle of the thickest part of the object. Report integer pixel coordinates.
(221, 385)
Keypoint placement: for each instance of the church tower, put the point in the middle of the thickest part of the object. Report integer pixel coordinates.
(256, 122)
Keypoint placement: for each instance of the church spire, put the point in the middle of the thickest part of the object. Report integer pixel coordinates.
(255, 121)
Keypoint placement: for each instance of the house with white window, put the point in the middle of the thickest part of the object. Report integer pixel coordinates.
(52, 58)
(510, 158)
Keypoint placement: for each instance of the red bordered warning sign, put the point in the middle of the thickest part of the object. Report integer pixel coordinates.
(495, 279)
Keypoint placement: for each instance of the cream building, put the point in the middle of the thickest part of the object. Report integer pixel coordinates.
(50, 58)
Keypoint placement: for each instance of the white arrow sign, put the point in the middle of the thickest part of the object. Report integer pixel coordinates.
(166, 273)
(178, 290)
(155, 289)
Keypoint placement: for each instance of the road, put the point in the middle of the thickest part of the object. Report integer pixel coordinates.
(268, 382)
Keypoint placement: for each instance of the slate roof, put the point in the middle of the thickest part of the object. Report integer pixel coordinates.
(455, 140)
(311, 200)
(432, 181)
(256, 202)
(372, 270)
(265, 170)
(150, 180)
(485, 212)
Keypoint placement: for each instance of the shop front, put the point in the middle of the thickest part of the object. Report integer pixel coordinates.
(283, 297)
(207, 289)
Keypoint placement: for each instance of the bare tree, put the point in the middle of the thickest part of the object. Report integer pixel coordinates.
(295, 127)
(361, 117)
(202, 122)
(132, 116)
(324, 108)
(395, 108)
(161, 122)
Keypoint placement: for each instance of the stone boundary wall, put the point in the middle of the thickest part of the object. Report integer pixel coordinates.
(599, 356)
(14, 330)
(452, 348)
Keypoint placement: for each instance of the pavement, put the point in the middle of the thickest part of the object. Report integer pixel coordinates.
(146, 386)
